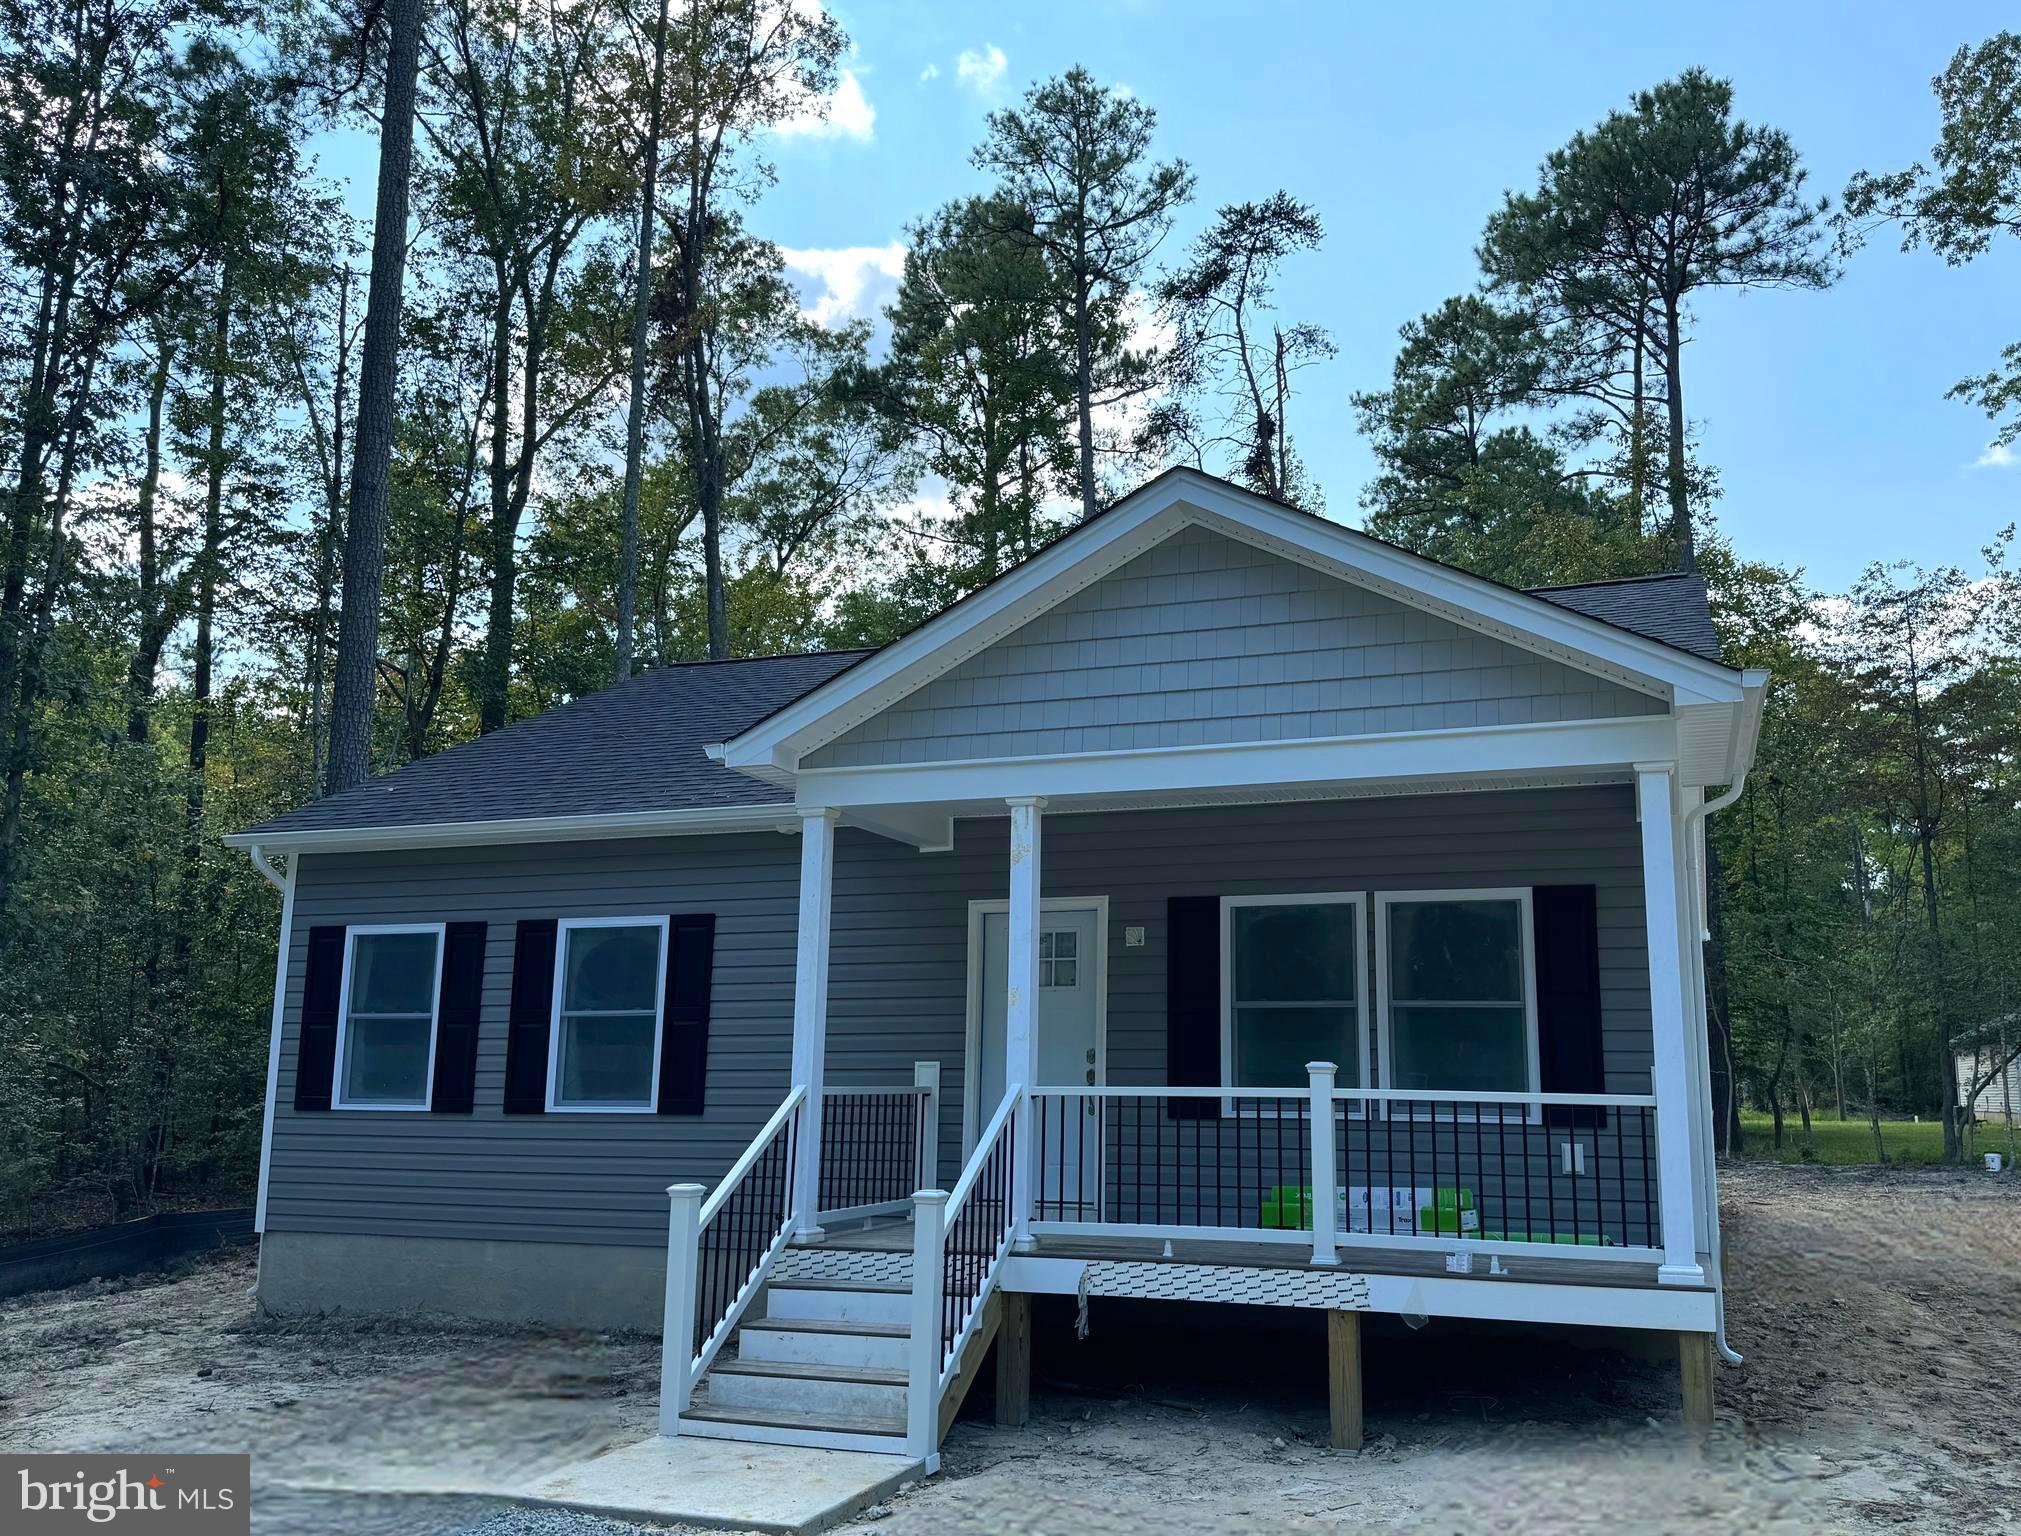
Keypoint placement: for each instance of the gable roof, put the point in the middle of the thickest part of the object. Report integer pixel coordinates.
(637, 754)
(632, 749)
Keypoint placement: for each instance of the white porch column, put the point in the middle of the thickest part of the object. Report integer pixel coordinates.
(1672, 1067)
(1021, 999)
(810, 1007)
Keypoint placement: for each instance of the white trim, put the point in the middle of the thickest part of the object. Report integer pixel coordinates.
(812, 935)
(1354, 899)
(528, 829)
(1669, 1068)
(274, 1034)
(1168, 504)
(971, 1073)
(341, 1073)
(1460, 754)
(1526, 941)
(564, 927)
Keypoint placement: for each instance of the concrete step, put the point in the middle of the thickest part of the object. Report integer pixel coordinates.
(841, 1392)
(821, 1341)
(855, 1301)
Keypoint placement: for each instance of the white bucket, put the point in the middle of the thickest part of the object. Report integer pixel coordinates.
(1992, 1162)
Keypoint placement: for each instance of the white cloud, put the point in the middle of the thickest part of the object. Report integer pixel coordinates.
(847, 114)
(931, 72)
(981, 71)
(1996, 456)
(853, 280)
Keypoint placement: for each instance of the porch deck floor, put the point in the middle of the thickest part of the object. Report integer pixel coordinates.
(896, 1237)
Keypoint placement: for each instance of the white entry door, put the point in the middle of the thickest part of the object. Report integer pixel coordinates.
(1073, 971)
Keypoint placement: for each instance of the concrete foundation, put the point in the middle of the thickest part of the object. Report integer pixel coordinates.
(561, 1285)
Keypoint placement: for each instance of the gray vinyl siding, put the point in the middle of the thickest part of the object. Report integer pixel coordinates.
(897, 985)
(1206, 639)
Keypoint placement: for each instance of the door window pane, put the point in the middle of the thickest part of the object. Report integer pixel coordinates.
(609, 1020)
(389, 1019)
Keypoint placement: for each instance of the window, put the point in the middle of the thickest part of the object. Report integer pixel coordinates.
(1291, 989)
(1459, 1000)
(610, 974)
(1059, 959)
(386, 1018)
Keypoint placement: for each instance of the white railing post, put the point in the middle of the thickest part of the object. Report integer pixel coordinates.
(922, 1396)
(1670, 1073)
(1319, 1121)
(926, 1074)
(677, 1328)
(810, 1009)
(1021, 999)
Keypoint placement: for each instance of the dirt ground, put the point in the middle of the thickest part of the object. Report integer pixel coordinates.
(1880, 1311)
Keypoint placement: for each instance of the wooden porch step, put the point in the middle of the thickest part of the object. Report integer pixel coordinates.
(828, 1325)
(856, 1287)
(803, 1370)
(785, 1418)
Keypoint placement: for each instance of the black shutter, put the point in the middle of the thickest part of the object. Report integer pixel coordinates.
(532, 1015)
(316, 1045)
(1193, 1002)
(684, 1027)
(456, 1019)
(1570, 1048)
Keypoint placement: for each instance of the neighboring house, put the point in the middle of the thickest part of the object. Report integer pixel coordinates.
(1221, 905)
(2000, 1098)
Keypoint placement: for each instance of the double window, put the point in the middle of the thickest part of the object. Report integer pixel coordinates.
(386, 1016)
(1455, 990)
(609, 994)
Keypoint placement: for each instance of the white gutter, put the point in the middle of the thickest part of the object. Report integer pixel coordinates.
(1754, 683)
(286, 885)
(526, 829)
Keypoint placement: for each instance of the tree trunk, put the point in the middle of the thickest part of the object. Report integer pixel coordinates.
(495, 667)
(1084, 386)
(642, 311)
(156, 616)
(208, 560)
(1680, 499)
(378, 373)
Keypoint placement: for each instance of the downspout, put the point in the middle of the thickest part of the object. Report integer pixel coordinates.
(1754, 684)
(285, 884)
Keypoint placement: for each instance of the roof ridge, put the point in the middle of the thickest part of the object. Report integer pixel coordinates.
(1616, 581)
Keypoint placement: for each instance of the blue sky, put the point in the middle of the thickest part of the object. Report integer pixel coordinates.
(1404, 126)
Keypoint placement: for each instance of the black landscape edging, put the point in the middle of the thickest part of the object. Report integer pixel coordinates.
(124, 1249)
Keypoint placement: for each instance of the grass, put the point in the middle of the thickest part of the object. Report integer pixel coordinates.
(1852, 1141)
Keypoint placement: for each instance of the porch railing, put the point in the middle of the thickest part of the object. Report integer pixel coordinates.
(1374, 1168)
(960, 1241)
(878, 1145)
(719, 1252)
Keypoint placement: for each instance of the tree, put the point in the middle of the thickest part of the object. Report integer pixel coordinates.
(1658, 203)
(1071, 161)
(738, 67)
(1219, 303)
(979, 382)
(1972, 195)
(355, 686)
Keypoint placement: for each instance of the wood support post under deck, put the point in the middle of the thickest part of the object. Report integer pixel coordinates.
(1694, 1360)
(1014, 1361)
(1343, 1378)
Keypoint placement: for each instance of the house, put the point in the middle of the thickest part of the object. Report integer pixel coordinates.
(1999, 1097)
(1222, 905)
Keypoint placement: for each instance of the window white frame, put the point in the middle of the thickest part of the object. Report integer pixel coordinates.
(1351, 899)
(563, 929)
(342, 1067)
(1526, 942)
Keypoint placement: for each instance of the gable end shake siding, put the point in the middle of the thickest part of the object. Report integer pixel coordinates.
(1204, 639)
(898, 980)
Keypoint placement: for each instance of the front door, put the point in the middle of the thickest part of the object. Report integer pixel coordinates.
(1072, 974)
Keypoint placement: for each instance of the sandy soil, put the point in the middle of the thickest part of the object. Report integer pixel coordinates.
(1880, 1311)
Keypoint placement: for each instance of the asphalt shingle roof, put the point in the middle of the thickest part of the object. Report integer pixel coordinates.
(1671, 608)
(639, 746)
(635, 747)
